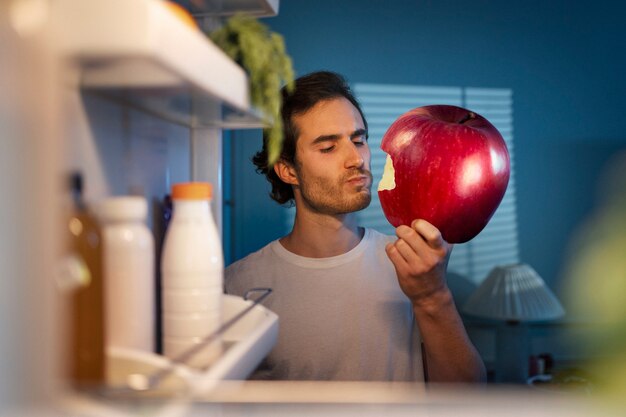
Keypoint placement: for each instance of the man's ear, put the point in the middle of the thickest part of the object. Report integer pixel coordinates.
(286, 172)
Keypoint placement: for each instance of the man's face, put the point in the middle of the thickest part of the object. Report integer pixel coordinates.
(333, 158)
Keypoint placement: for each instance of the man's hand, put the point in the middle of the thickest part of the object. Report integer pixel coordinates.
(420, 256)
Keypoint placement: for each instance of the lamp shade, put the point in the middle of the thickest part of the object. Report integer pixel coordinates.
(514, 293)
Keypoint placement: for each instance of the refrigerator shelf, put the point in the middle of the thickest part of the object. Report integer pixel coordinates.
(246, 343)
(140, 54)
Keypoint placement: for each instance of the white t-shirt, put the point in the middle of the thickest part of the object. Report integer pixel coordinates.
(340, 318)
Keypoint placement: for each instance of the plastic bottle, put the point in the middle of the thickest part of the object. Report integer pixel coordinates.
(128, 249)
(192, 276)
(81, 274)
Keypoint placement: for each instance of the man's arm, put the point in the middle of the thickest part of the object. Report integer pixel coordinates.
(420, 256)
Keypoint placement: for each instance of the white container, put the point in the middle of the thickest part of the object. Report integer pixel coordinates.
(177, 300)
(191, 324)
(129, 280)
(192, 269)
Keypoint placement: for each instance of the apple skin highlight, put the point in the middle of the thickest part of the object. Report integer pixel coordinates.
(449, 166)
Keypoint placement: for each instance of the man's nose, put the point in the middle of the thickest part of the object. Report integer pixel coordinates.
(354, 157)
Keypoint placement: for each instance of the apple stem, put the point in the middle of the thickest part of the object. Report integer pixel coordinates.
(468, 116)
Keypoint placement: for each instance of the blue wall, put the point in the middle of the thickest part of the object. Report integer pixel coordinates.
(565, 62)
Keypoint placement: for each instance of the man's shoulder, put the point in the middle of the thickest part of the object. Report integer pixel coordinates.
(250, 261)
(244, 273)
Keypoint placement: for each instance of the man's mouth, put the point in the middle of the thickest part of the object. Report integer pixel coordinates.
(363, 178)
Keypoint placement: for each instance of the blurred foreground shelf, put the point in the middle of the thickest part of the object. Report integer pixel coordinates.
(246, 343)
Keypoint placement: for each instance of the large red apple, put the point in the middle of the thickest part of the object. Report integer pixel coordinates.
(446, 165)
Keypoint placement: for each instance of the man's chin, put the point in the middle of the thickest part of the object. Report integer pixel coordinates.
(364, 202)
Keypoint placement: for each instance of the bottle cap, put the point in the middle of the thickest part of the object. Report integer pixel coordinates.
(122, 208)
(191, 191)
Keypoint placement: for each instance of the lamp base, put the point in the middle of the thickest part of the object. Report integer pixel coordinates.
(512, 351)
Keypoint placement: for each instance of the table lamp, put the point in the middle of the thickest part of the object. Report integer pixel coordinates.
(516, 295)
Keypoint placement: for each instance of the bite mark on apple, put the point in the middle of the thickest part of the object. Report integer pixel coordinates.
(388, 181)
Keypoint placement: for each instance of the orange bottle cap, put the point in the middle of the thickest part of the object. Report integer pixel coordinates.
(191, 191)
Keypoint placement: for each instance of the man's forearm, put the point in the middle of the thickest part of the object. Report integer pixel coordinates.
(450, 355)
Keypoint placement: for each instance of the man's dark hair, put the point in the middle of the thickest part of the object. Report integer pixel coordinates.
(308, 91)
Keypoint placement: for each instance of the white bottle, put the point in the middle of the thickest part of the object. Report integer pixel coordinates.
(128, 269)
(192, 268)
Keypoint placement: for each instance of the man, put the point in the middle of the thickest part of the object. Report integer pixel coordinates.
(353, 304)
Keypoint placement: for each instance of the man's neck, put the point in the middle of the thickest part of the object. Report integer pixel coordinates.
(323, 236)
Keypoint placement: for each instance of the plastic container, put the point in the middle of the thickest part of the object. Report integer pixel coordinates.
(128, 273)
(192, 268)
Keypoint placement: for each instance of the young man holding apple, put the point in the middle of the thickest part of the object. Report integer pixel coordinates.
(353, 304)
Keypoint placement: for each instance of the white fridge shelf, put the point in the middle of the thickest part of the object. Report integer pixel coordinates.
(246, 343)
(139, 53)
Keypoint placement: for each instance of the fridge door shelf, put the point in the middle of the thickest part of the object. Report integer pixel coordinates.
(139, 53)
(246, 343)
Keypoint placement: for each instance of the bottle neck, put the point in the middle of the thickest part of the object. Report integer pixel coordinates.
(191, 208)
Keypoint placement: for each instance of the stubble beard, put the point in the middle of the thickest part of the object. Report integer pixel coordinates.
(329, 197)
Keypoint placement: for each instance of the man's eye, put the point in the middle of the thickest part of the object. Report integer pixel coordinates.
(326, 150)
(359, 141)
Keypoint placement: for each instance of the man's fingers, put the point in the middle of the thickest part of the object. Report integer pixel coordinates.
(409, 249)
(413, 239)
(429, 233)
(420, 247)
(396, 258)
